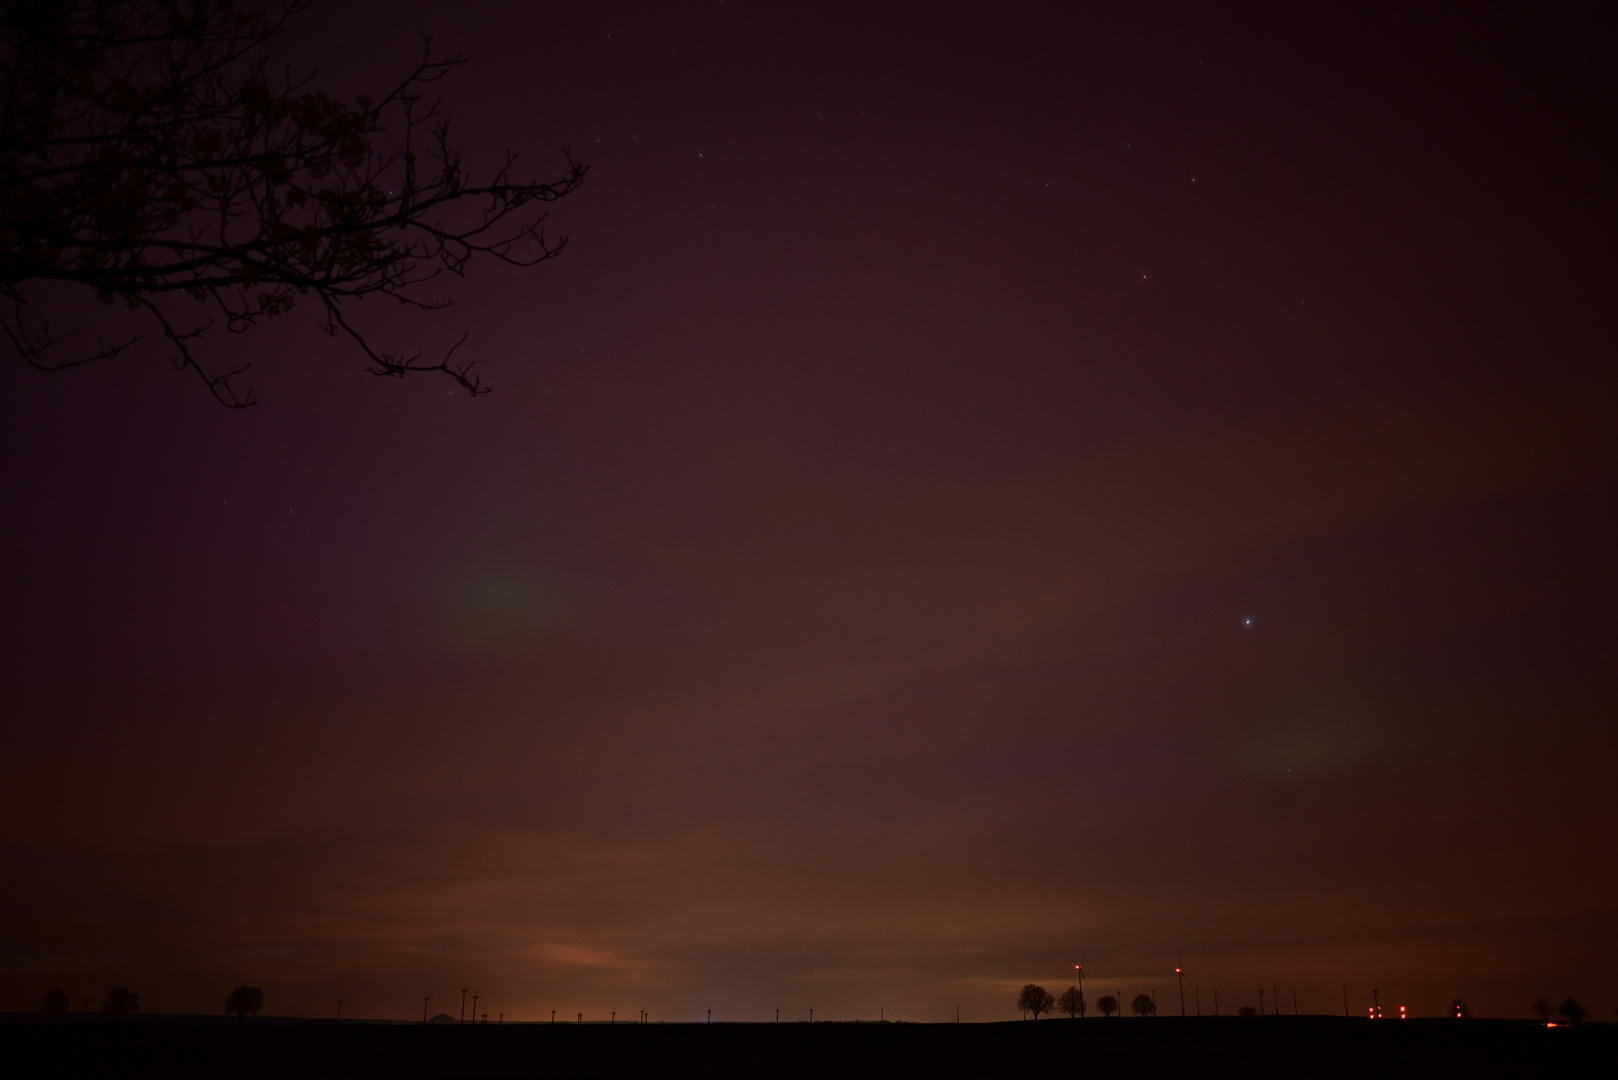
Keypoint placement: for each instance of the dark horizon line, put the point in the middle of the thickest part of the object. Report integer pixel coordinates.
(36, 1016)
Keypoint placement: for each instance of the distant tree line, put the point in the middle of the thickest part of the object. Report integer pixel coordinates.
(121, 1002)
(1035, 999)
(247, 1001)
(244, 1001)
(1570, 1010)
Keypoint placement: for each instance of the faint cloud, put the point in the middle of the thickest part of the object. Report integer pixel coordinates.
(1309, 740)
(492, 604)
(848, 974)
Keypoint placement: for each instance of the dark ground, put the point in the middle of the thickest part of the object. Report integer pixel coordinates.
(1250, 1047)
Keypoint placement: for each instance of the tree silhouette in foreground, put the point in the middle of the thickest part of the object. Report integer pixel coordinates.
(1071, 1002)
(1107, 1004)
(53, 1004)
(150, 155)
(1543, 1009)
(120, 1002)
(1035, 999)
(1143, 1005)
(1572, 1011)
(1247, 1010)
(244, 1001)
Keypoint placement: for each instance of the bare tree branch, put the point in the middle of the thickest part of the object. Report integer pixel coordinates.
(148, 154)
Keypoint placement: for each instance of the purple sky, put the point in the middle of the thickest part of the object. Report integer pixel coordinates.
(987, 487)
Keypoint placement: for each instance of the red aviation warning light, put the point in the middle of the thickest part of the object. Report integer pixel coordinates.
(1402, 1014)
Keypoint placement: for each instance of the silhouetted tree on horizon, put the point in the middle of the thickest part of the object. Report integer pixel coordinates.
(121, 1002)
(1107, 1004)
(1247, 1010)
(1143, 1005)
(151, 155)
(1572, 1011)
(53, 1004)
(1543, 1009)
(1071, 1002)
(244, 1001)
(1035, 999)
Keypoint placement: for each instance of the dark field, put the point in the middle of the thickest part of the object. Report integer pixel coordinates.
(1250, 1047)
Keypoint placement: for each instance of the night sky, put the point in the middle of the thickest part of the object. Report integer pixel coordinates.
(987, 487)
